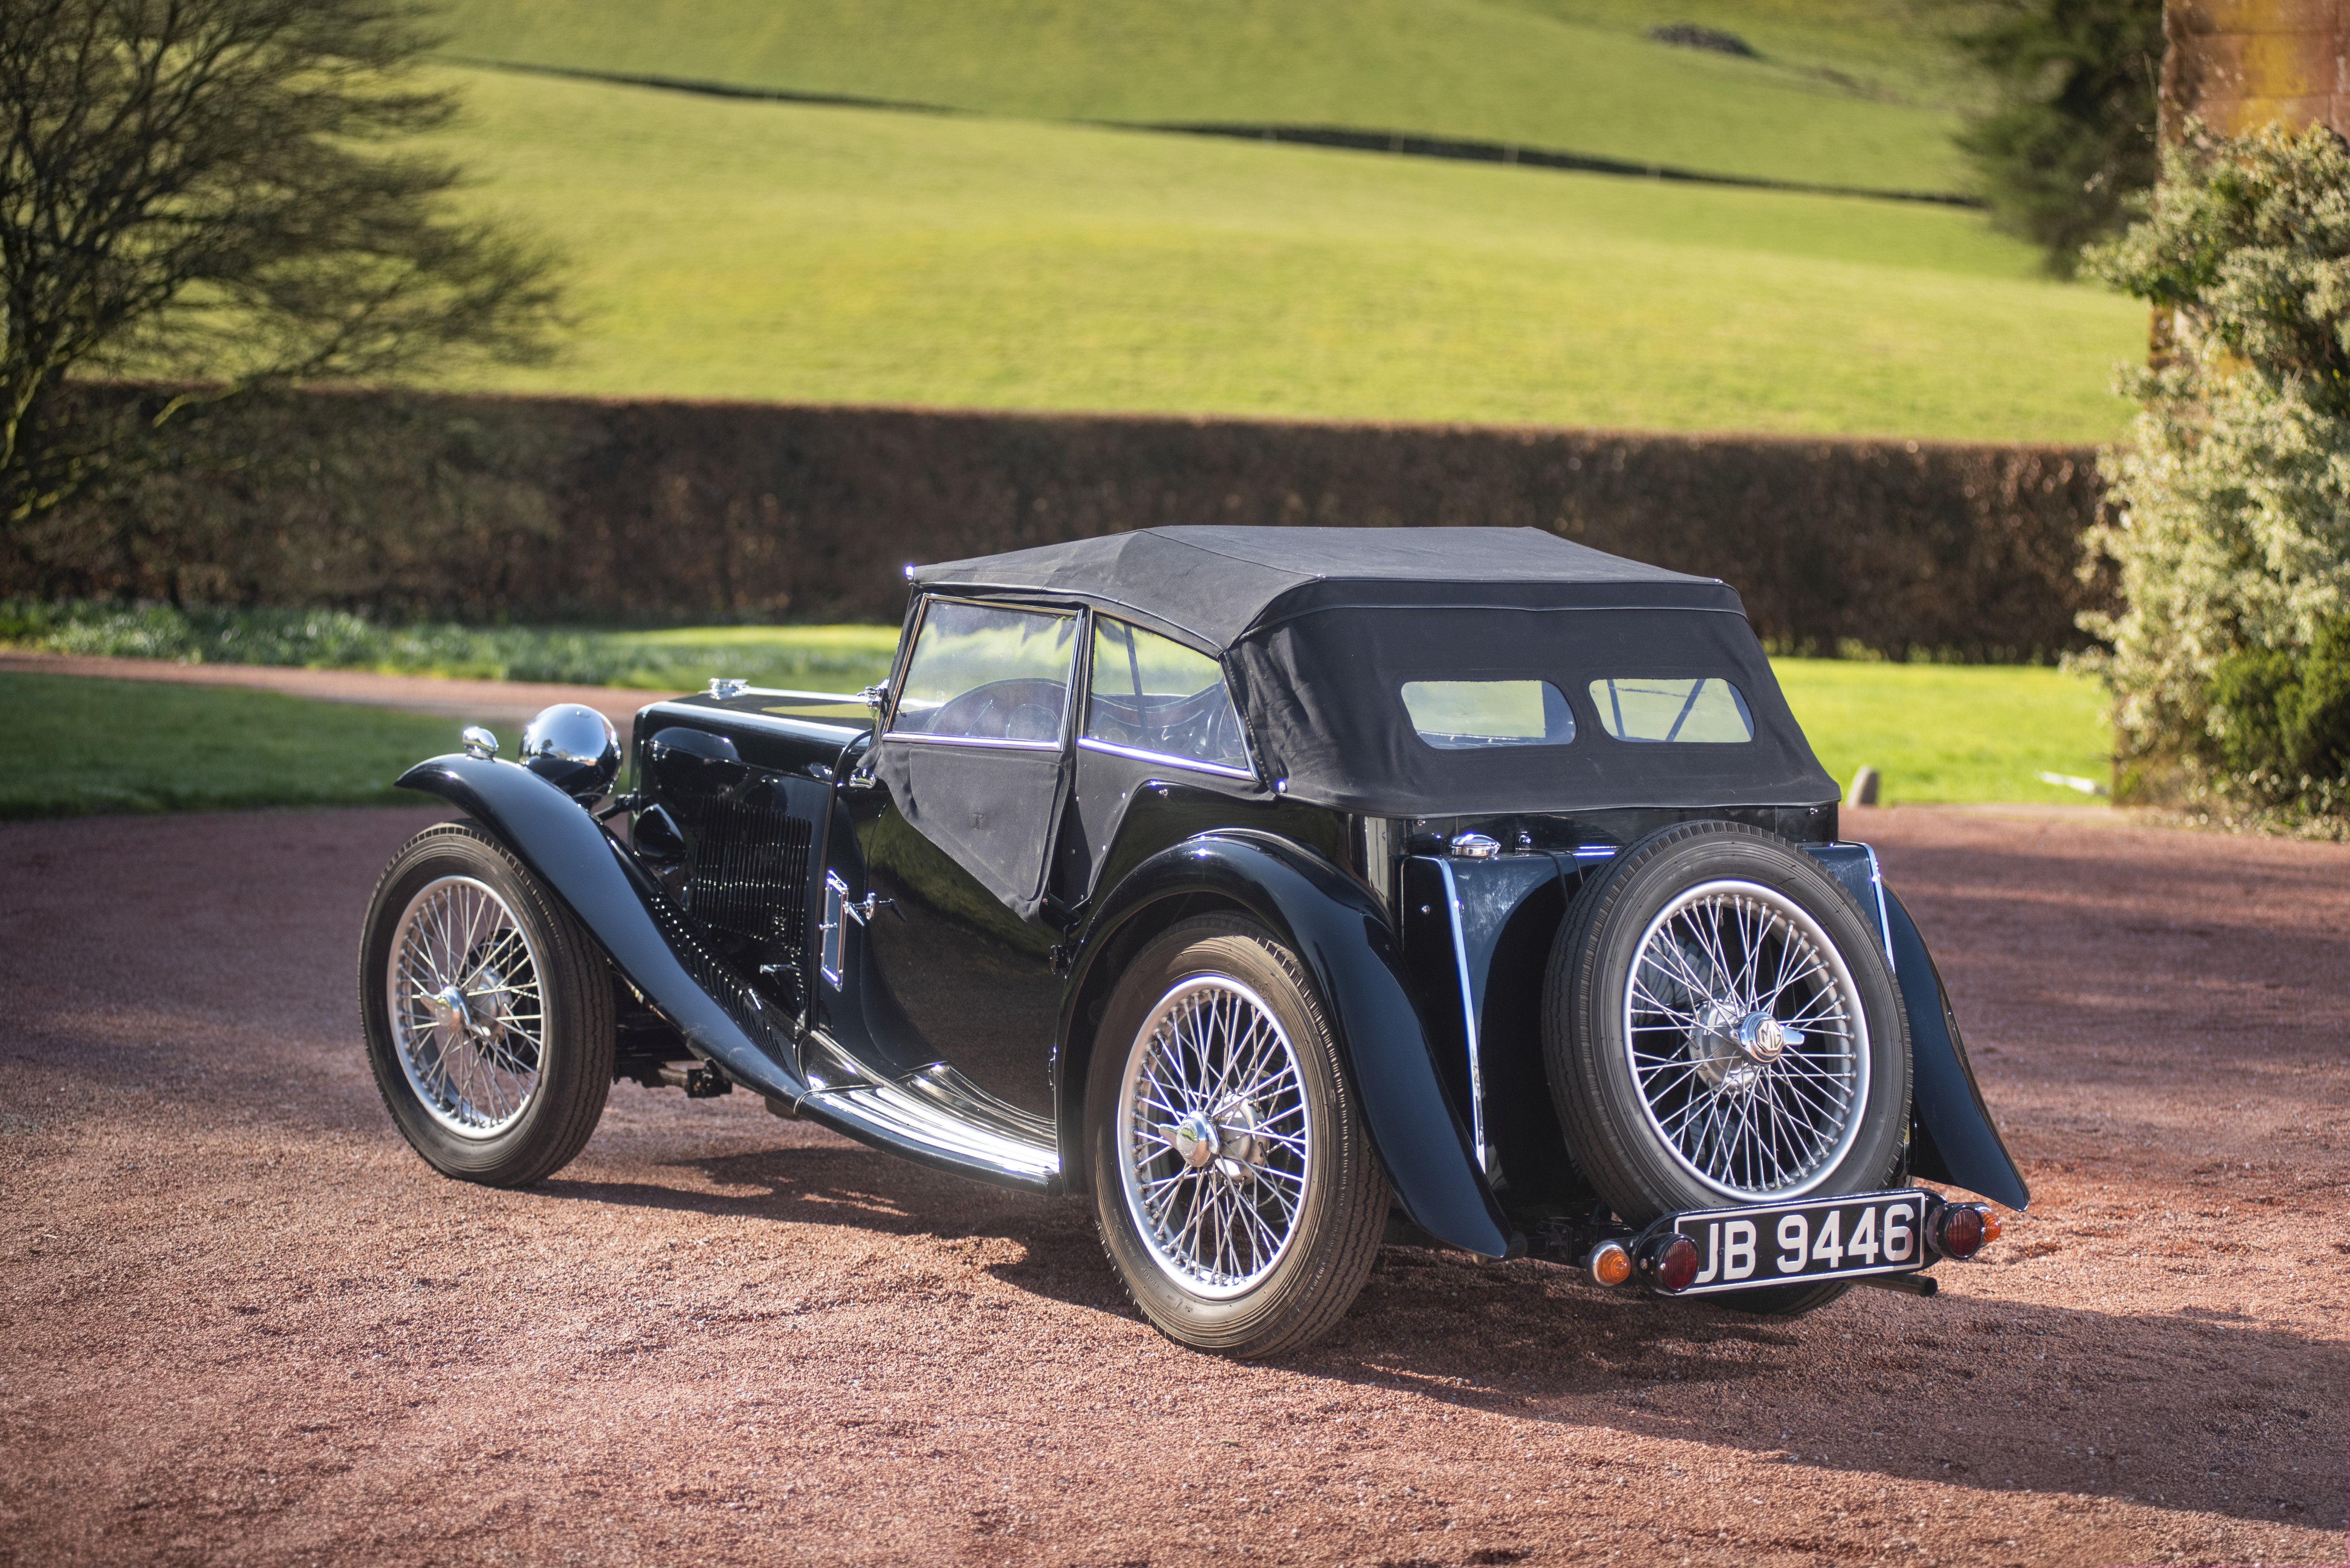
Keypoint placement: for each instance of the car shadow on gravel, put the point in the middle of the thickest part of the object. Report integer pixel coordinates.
(2193, 1409)
(2180, 1410)
(1060, 1258)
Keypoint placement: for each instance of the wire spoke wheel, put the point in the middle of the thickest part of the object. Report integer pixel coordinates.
(1235, 1182)
(488, 1012)
(468, 1013)
(1217, 1137)
(1722, 1025)
(1746, 1040)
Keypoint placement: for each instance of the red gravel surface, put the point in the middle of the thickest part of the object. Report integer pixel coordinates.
(241, 1322)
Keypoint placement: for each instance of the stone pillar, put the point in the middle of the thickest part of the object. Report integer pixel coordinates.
(2240, 64)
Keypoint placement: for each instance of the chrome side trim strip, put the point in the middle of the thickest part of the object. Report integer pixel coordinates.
(1884, 921)
(822, 730)
(1871, 898)
(1140, 755)
(1468, 1017)
(912, 736)
(845, 698)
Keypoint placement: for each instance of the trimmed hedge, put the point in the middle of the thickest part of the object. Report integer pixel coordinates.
(568, 510)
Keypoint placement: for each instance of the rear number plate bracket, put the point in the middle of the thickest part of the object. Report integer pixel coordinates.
(1850, 1236)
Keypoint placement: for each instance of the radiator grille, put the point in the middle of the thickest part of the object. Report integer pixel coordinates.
(749, 876)
(767, 1031)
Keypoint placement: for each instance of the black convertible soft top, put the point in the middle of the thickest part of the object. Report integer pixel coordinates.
(1211, 587)
(1319, 628)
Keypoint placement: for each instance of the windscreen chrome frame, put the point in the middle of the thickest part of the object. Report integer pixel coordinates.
(1078, 671)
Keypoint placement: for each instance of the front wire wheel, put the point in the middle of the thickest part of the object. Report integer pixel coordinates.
(487, 1012)
(1235, 1186)
(468, 1015)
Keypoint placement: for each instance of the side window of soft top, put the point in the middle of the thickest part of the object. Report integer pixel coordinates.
(1152, 695)
(987, 672)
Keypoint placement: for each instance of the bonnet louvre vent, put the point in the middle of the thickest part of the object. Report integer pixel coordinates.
(750, 873)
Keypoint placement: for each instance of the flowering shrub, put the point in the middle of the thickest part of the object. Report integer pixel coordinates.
(2230, 511)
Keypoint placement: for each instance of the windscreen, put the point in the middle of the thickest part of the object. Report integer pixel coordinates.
(980, 672)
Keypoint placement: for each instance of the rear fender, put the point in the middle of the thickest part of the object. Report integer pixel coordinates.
(611, 895)
(1343, 938)
(1952, 1137)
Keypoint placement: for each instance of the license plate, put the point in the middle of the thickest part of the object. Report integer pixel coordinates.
(1846, 1236)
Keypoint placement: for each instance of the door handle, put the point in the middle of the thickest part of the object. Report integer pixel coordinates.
(865, 908)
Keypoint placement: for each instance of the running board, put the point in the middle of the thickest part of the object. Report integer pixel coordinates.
(943, 1120)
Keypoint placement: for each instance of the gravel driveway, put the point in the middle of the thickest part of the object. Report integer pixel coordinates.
(241, 1322)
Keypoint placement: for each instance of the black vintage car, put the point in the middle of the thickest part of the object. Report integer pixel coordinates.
(1287, 891)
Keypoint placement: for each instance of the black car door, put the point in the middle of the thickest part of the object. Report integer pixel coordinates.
(967, 785)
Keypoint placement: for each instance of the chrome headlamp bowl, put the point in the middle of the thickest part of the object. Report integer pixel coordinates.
(574, 748)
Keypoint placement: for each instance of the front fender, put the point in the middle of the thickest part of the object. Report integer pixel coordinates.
(1343, 938)
(1953, 1138)
(624, 912)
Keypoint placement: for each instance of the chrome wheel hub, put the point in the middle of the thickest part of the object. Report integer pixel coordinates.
(1198, 1139)
(467, 1009)
(1765, 1039)
(447, 1006)
(1215, 1141)
(1746, 1040)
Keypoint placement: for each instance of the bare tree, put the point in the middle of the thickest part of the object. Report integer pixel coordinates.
(231, 192)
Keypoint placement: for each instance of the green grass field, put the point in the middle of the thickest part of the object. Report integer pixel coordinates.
(197, 749)
(777, 252)
(1850, 91)
(1934, 733)
(1952, 733)
(829, 658)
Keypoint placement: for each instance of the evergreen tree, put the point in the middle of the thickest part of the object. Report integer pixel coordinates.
(2071, 136)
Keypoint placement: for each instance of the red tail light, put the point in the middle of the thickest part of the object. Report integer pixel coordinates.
(1670, 1262)
(1958, 1230)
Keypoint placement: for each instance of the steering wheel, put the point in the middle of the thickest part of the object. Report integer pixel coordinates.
(1025, 709)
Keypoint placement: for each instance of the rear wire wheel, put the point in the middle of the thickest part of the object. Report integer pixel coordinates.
(1720, 1027)
(1233, 1181)
(488, 1015)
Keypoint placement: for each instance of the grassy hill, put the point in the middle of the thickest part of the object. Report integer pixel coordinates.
(1849, 92)
(768, 251)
